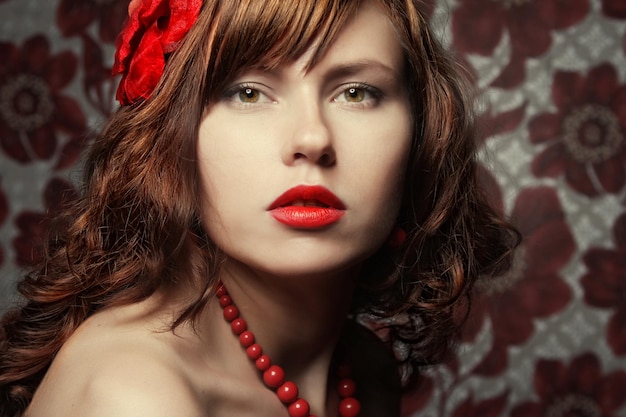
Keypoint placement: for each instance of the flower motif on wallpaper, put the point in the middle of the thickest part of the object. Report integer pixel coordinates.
(33, 108)
(614, 8)
(75, 16)
(533, 288)
(418, 396)
(33, 225)
(4, 213)
(478, 26)
(580, 389)
(584, 138)
(490, 407)
(605, 284)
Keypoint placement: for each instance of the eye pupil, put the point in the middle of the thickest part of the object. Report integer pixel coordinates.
(249, 95)
(355, 94)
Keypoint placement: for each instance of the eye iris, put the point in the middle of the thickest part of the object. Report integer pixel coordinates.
(354, 94)
(249, 95)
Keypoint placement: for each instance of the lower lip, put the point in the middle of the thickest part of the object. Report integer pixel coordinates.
(307, 217)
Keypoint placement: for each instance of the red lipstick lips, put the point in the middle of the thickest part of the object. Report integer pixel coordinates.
(307, 207)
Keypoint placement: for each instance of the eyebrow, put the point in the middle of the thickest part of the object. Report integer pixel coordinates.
(351, 68)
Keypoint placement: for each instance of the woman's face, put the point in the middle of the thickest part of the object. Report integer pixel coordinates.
(302, 170)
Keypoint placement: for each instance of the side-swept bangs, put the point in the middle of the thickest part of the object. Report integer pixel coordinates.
(264, 34)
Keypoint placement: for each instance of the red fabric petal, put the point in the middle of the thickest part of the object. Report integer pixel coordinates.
(183, 16)
(154, 29)
(145, 69)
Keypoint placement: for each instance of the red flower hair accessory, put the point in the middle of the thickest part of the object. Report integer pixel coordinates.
(153, 30)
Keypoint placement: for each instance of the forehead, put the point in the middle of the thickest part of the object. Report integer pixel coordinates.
(367, 37)
(265, 34)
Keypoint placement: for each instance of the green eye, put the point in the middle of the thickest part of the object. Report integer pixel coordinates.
(354, 94)
(249, 95)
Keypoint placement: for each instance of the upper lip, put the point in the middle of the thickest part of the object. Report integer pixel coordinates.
(308, 195)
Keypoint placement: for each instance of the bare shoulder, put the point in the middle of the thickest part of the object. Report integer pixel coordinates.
(107, 368)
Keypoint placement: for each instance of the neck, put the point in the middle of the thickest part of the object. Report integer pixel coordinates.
(296, 320)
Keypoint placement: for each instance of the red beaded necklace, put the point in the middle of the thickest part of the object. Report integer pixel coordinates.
(274, 375)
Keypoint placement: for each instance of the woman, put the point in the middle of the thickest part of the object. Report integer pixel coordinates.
(296, 165)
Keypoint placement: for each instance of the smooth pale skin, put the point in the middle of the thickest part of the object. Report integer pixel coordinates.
(292, 286)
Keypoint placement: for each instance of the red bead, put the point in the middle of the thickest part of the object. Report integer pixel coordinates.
(288, 392)
(238, 325)
(263, 363)
(221, 290)
(274, 376)
(225, 300)
(246, 338)
(231, 312)
(346, 388)
(299, 408)
(254, 351)
(349, 407)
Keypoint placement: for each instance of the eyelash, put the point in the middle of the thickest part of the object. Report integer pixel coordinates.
(376, 95)
(231, 93)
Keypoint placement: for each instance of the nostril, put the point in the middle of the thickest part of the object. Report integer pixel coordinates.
(326, 160)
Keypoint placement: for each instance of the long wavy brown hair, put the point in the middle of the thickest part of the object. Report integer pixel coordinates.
(136, 227)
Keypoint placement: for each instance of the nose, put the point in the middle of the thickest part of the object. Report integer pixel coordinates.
(311, 139)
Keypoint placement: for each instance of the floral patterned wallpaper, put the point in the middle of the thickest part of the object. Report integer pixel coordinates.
(549, 338)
